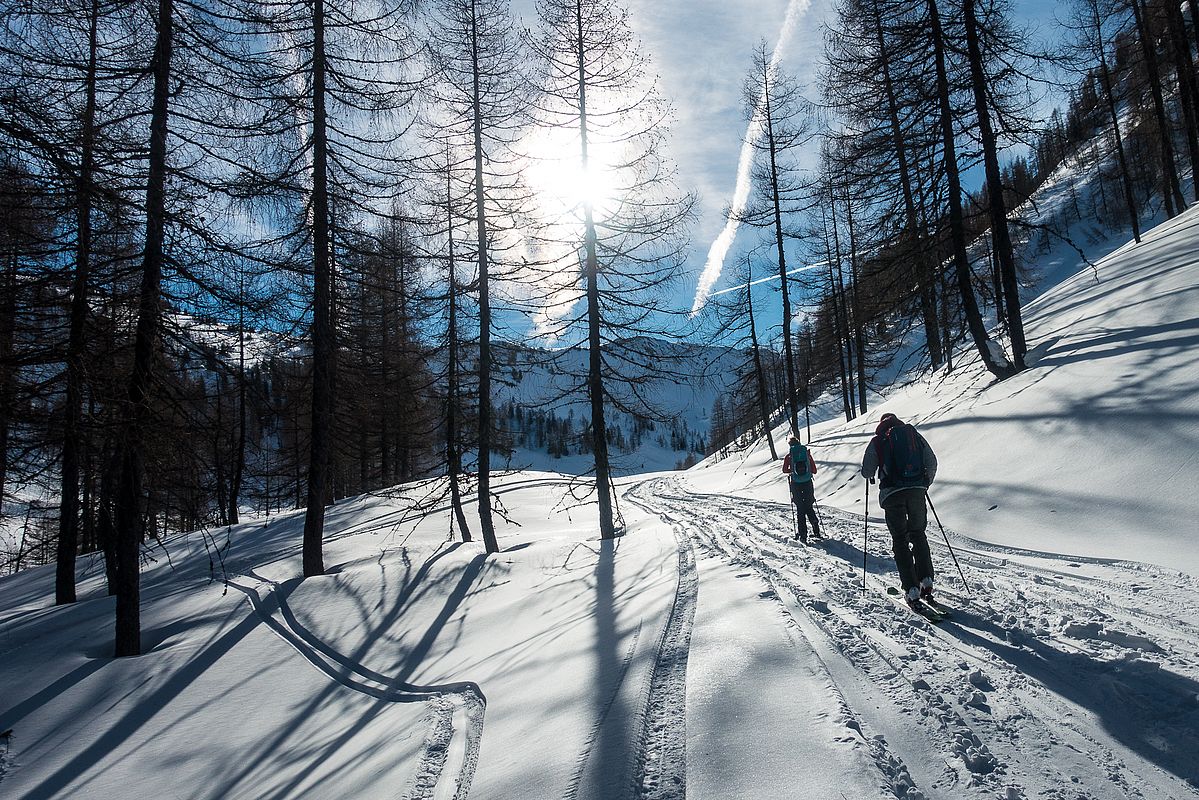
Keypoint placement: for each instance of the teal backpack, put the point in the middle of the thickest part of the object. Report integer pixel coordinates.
(799, 464)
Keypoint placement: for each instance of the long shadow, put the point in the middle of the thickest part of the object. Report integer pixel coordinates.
(1111, 343)
(1149, 710)
(608, 757)
(472, 570)
(141, 712)
(352, 662)
(611, 750)
(10, 716)
(470, 573)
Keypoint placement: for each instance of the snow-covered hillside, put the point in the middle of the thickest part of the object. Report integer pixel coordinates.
(1091, 451)
(704, 653)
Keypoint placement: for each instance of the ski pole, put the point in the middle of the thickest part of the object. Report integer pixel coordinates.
(865, 529)
(947, 544)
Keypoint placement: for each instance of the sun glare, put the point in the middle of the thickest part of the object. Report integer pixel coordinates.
(562, 188)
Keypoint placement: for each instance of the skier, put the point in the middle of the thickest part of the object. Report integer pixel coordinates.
(802, 493)
(906, 466)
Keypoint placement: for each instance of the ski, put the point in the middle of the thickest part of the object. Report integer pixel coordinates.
(939, 607)
(925, 610)
(918, 607)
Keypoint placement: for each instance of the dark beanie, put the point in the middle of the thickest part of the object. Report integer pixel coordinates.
(885, 423)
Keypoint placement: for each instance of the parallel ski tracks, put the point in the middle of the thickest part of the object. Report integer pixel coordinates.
(952, 682)
(454, 711)
(661, 770)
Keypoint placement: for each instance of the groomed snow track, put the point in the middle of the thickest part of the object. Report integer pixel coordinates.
(662, 758)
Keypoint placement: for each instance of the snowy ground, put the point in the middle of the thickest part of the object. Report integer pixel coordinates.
(1091, 452)
(705, 652)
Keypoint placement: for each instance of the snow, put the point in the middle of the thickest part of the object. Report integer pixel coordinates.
(1091, 451)
(705, 652)
(804, 735)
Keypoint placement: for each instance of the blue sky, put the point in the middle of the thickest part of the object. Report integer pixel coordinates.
(701, 50)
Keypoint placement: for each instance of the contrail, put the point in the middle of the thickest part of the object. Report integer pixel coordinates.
(720, 247)
(768, 279)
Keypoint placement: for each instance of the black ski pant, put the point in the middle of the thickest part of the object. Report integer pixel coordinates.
(804, 497)
(907, 516)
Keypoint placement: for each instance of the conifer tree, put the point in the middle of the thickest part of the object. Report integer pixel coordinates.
(627, 240)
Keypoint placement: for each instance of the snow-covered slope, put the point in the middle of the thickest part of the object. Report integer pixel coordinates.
(373, 681)
(1092, 451)
(705, 653)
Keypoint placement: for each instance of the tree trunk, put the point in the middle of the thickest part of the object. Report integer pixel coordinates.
(68, 509)
(925, 274)
(961, 259)
(323, 343)
(595, 378)
(1110, 101)
(453, 455)
(834, 257)
(997, 206)
(239, 456)
(832, 285)
(89, 542)
(218, 457)
(759, 373)
(807, 382)
(385, 411)
(1171, 193)
(8, 370)
(859, 335)
(486, 523)
(776, 200)
(129, 530)
(1188, 87)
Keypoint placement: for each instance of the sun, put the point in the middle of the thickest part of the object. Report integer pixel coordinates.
(562, 189)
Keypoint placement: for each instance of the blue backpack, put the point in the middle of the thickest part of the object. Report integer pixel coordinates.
(902, 457)
(799, 463)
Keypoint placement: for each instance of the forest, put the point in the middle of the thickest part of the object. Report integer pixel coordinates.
(267, 255)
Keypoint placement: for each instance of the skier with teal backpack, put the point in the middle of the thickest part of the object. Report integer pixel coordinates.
(800, 465)
(906, 466)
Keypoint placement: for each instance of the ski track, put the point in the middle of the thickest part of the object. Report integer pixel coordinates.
(662, 755)
(454, 715)
(1004, 699)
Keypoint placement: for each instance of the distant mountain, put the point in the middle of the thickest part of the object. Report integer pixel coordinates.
(663, 395)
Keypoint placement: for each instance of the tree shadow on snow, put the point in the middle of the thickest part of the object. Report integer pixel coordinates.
(353, 664)
(608, 760)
